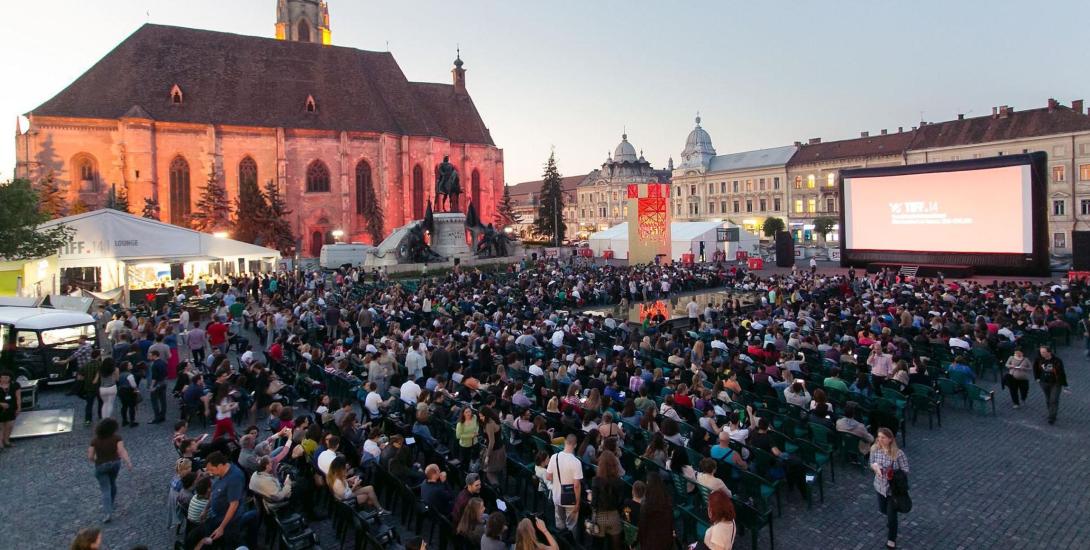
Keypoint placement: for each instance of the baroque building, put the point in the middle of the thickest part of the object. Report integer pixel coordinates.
(602, 195)
(170, 109)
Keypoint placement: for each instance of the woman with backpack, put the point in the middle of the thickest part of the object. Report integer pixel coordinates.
(885, 459)
(129, 395)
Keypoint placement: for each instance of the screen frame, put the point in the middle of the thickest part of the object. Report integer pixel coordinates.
(1034, 263)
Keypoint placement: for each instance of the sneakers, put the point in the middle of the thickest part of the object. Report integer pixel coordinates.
(107, 518)
(86, 422)
(1017, 406)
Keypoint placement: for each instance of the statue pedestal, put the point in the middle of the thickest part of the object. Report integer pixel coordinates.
(449, 237)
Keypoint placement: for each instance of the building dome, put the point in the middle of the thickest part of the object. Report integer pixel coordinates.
(624, 152)
(698, 147)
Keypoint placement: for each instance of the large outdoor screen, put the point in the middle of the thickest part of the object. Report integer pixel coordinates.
(985, 210)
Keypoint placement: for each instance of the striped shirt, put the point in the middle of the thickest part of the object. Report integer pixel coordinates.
(196, 509)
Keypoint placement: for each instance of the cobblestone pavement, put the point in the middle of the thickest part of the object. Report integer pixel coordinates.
(1009, 481)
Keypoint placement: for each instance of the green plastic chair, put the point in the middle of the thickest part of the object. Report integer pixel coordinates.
(925, 399)
(977, 395)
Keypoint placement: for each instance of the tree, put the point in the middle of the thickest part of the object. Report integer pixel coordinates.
(118, 199)
(550, 219)
(20, 215)
(251, 210)
(213, 212)
(80, 207)
(505, 214)
(51, 201)
(276, 229)
(771, 226)
(824, 225)
(151, 209)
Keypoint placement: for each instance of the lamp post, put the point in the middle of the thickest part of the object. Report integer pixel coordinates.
(337, 234)
(556, 220)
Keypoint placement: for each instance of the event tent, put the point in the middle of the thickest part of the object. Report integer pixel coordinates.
(685, 238)
(111, 243)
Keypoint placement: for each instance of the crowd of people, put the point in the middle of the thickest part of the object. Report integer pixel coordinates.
(455, 385)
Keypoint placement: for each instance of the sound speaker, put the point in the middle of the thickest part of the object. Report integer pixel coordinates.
(177, 271)
(785, 249)
(1080, 250)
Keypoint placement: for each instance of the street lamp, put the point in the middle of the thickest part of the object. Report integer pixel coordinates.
(337, 234)
(221, 234)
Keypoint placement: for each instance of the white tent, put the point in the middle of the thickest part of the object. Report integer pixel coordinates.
(685, 238)
(116, 246)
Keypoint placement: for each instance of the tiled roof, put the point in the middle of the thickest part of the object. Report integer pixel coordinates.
(745, 160)
(252, 81)
(520, 192)
(1015, 125)
(872, 146)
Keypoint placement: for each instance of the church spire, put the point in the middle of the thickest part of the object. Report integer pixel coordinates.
(303, 21)
(459, 73)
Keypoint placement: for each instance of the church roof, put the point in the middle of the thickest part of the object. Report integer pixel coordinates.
(253, 81)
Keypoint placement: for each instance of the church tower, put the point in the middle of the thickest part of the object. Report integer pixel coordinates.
(303, 21)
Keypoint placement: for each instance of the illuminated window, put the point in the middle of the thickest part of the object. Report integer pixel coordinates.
(776, 205)
(798, 205)
(776, 183)
(749, 185)
(798, 182)
(311, 106)
(1059, 207)
(831, 179)
(763, 205)
(811, 205)
(830, 204)
(624, 211)
(615, 211)
(1059, 240)
(810, 181)
(176, 95)
(1057, 173)
(1084, 172)
(736, 207)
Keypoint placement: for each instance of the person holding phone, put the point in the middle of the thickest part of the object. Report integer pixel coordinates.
(885, 458)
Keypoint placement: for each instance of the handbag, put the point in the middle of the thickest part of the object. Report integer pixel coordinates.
(567, 492)
(591, 526)
(899, 492)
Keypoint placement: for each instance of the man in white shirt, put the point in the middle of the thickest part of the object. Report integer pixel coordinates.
(693, 309)
(565, 469)
(558, 338)
(325, 458)
(373, 401)
(414, 363)
(410, 392)
(535, 369)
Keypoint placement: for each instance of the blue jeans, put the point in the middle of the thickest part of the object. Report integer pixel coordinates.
(106, 473)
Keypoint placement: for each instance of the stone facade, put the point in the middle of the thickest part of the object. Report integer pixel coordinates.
(602, 195)
(392, 135)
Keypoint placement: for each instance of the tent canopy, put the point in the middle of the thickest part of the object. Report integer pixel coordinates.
(109, 234)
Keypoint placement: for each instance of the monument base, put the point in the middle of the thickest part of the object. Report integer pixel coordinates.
(448, 240)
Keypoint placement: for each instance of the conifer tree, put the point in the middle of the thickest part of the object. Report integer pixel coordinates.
(505, 214)
(276, 231)
(372, 214)
(51, 200)
(151, 209)
(118, 199)
(213, 211)
(251, 211)
(550, 219)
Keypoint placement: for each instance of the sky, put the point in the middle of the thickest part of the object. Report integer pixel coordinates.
(571, 75)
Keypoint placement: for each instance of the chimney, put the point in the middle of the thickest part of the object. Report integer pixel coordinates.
(995, 112)
(883, 131)
(900, 129)
(1004, 111)
(1077, 106)
(864, 134)
(815, 141)
(1052, 104)
(798, 144)
(961, 116)
(913, 128)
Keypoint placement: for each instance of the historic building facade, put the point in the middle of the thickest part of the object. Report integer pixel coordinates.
(171, 108)
(526, 199)
(602, 195)
(744, 188)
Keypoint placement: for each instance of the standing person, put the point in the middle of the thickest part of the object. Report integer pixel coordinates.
(128, 392)
(224, 514)
(607, 496)
(813, 265)
(1019, 371)
(107, 452)
(656, 513)
(87, 378)
(157, 387)
(565, 473)
(881, 365)
(107, 387)
(225, 409)
(10, 405)
(494, 457)
(1049, 371)
(466, 433)
(217, 335)
(885, 458)
(195, 340)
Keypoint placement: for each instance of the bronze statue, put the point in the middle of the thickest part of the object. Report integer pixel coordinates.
(487, 241)
(447, 187)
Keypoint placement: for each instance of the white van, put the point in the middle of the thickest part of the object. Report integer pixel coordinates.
(32, 337)
(336, 255)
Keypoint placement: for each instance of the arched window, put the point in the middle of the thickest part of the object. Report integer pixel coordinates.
(317, 239)
(311, 106)
(247, 172)
(418, 192)
(85, 172)
(475, 190)
(317, 177)
(363, 186)
(180, 206)
(304, 31)
(176, 95)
